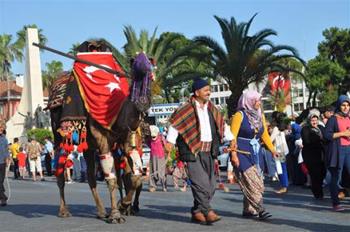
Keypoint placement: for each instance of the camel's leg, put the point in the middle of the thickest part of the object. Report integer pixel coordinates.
(132, 183)
(107, 162)
(119, 182)
(90, 162)
(63, 211)
(136, 204)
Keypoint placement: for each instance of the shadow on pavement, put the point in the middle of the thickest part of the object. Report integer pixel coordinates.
(37, 211)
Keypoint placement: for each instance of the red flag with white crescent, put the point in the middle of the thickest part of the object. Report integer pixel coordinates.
(279, 82)
(103, 93)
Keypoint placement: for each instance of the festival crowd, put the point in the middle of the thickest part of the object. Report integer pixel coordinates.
(311, 151)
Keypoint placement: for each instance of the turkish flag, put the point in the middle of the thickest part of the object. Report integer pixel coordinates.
(279, 82)
(103, 93)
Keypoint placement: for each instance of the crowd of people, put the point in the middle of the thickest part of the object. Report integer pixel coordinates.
(313, 152)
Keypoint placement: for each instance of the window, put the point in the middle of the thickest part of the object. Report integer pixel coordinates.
(214, 88)
(295, 92)
(222, 101)
(299, 107)
(221, 88)
(300, 93)
(216, 101)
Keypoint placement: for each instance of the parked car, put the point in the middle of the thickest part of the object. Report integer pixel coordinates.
(146, 155)
(223, 157)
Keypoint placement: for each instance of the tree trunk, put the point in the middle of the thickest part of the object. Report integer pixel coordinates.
(232, 101)
(308, 103)
(167, 95)
(314, 99)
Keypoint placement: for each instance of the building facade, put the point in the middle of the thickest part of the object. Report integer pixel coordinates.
(299, 95)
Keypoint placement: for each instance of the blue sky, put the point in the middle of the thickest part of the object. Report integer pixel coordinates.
(299, 23)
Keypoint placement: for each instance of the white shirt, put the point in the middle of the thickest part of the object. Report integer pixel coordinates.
(204, 124)
(278, 138)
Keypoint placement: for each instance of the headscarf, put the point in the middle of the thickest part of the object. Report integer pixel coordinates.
(246, 103)
(314, 113)
(341, 100)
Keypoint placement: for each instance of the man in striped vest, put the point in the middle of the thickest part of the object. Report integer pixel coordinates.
(197, 127)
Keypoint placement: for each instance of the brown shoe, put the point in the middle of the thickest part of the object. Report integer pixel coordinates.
(282, 191)
(212, 217)
(199, 218)
(341, 195)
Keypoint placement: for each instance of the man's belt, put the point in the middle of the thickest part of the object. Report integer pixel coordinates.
(206, 146)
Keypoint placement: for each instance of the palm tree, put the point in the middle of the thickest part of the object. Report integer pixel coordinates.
(53, 69)
(74, 49)
(173, 65)
(21, 36)
(9, 52)
(244, 59)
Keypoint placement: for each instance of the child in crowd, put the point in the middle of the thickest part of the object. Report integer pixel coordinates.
(21, 157)
(180, 174)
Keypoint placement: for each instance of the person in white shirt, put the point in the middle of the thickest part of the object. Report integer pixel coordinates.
(197, 127)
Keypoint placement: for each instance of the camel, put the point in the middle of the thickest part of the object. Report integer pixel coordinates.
(98, 137)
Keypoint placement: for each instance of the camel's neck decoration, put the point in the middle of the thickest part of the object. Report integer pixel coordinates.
(142, 71)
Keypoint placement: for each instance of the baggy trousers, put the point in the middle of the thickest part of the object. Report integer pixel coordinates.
(203, 181)
(3, 197)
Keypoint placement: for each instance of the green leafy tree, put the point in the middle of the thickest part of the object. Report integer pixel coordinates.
(162, 51)
(40, 134)
(9, 52)
(185, 61)
(320, 75)
(53, 69)
(245, 58)
(336, 48)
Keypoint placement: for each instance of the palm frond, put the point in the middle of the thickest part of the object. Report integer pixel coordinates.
(212, 45)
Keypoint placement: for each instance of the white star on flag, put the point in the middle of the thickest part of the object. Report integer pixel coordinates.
(112, 86)
(90, 69)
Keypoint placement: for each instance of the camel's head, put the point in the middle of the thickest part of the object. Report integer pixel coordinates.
(142, 69)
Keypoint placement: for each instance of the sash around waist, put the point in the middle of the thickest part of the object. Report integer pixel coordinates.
(244, 146)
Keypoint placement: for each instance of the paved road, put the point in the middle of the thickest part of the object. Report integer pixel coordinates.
(33, 207)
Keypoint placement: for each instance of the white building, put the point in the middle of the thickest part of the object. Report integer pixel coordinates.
(299, 95)
(220, 93)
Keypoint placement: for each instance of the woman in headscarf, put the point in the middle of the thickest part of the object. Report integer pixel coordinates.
(248, 127)
(337, 132)
(313, 152)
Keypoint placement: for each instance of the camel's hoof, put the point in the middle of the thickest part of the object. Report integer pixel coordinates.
(125, 209)
(115, 217)
(120, 220)
(64, 214)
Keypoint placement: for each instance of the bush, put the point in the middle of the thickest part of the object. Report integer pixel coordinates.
(40, 134)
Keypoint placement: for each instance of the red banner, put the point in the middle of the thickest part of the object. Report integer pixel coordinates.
(280, 82)
(103, 93)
